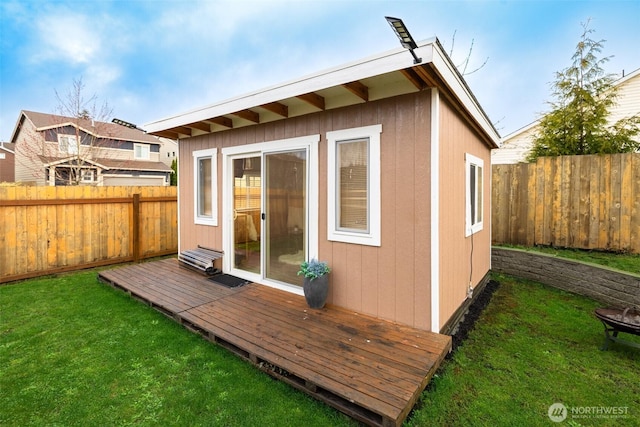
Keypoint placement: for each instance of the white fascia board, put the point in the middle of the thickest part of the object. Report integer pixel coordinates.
(452, 78)
(394, 60)
(522, 130)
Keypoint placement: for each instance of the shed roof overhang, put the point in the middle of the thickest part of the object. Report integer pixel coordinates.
(381, 76)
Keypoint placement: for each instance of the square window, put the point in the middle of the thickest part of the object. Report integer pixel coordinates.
(141, 152)
(67, 144)
(88, 175)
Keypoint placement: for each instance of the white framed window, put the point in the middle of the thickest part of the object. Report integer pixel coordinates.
(353, 185)
(205, 173)
(141, 151)
(67, 144)
(88, 175)
(3, 156)
(474, 194)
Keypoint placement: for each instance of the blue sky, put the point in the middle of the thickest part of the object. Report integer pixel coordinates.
(152, 59)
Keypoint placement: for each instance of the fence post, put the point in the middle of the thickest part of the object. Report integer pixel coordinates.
(136, 227)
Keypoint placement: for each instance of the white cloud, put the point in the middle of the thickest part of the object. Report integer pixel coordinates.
(67, 37)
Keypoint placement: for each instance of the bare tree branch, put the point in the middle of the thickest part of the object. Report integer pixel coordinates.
(462, 67)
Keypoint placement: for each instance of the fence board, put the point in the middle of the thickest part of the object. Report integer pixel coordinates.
(595, 176)
(635, 205)
(587, 202)
(50, 229)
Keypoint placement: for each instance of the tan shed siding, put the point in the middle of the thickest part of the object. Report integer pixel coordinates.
(391, 281)
(456, 139)
(192, 235)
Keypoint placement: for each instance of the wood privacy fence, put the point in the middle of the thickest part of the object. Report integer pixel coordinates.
(45, 230)
(586, 202)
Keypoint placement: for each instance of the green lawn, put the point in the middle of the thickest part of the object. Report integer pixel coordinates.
(74, 352)
(533, 346)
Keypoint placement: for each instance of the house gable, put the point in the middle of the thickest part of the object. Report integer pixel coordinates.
(105, 148)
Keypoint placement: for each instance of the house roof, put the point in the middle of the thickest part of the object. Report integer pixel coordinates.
(111, 164)
(381, 76)
(44, 121)
(8, 146)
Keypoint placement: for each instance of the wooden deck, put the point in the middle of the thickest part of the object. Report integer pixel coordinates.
(370, 369)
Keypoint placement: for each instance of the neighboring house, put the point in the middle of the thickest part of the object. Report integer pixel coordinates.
(168, 151)
(47, 152)
(516, 146)
(168, 147)
(380, 167)
(7, 161)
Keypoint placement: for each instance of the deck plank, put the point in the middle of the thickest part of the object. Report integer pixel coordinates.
(331, 345)
(316, 352)
(371, 369)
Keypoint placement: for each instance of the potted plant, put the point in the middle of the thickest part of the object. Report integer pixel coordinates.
(316, 282)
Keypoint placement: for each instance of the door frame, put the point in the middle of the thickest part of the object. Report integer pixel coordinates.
(310, 143)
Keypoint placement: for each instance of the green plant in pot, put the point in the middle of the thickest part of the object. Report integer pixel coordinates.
(316, 282)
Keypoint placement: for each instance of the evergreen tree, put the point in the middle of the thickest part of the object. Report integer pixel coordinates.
(174, 175)
(578, 122)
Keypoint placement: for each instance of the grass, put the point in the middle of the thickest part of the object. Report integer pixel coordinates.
(75, 352)
(625, 262)
(533, 346)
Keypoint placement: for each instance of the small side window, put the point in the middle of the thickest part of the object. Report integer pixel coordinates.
(206, 186)
(474, 194)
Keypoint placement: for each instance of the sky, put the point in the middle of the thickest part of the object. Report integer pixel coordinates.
(148, 59)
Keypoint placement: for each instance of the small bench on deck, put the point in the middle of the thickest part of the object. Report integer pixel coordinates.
(200, 259)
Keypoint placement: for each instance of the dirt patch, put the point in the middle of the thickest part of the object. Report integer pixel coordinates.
(471, 316)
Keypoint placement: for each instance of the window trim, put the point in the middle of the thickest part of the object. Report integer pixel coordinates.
(147, 150)
(479, 225)
(334, 233)
(198, 155)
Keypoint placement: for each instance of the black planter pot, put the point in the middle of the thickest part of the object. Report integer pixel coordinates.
(316, 291)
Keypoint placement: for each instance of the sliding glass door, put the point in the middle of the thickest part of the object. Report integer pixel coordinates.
(247, 213)
(286, 212)
(269, 202)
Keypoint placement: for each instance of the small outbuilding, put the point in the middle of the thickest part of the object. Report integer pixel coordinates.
(381, 167)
